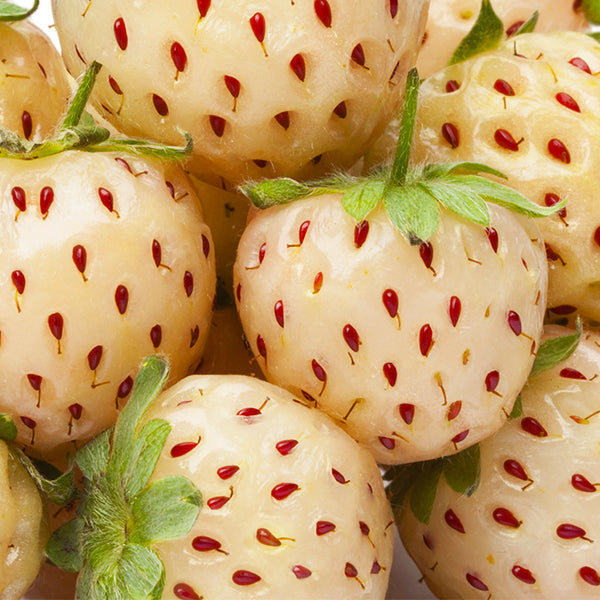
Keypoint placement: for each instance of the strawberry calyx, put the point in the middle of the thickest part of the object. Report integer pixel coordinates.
(14, 12)
(122, 514)
(591, 10)
(417, 482)
(79, 131)
(411, 195)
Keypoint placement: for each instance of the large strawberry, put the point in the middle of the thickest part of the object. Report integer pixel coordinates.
(291, 506)
(105, 259)
(286, 88)
(35, 87)
(530, 529)
(403, 305)
(529, 108)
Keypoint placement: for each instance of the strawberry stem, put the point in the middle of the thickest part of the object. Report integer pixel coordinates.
(73, 116)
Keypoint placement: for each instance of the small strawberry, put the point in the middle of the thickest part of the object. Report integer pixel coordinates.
(35, 87)
(269, 88)
(403, 305)
(449, 21)
(291, 506)
(530, 529)
(105, 259)
(529, 109)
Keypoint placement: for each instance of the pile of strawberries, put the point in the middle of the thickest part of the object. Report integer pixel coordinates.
(271, 298)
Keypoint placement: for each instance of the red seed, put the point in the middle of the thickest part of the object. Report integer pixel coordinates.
(301, 572)
(514, 322)
(188, 283)
(257, 23)
(203, 6)
(393, 8)
(282, 490)
(264, 536)
(217, 502)
(302, 231)
(278, 310)
(375, 568)
(318, 283)
(492, 379)
(387, 443)
(243, 577)
(183, 591)
(284, 447)
(160, 105)
(194, 334)
(523, 574)
(203, 543)
(503, 87)
(350, 570)
(283, 118)
(580, 64)
(205, 246)
(76, 411)
(125, 388)
(581, 483)
(116, 88)
(452, 86)
(106, 198)
(121, 298)
(505, 517)
(121, 33)
(426, 253)
(261, 346)
(407, 412)
(454, 410)
(156, 335)
(425, 339)
(358, 55)
(551, 199)
(476, 582)
(514, 28)
(227, 472)
(514, 468)
(79, 256)
(178, 56)
(568, 531)
(589, 575)
(533, 427)
(56, 324)
(318, 370)
(35, 381)
(338, 476)
(454, 310)
(233, 85)
(298, 66)
(390, 373)
(559, 151)
(351, 337)
(94, 357)
(248, 412)
(156, 252)
(46, 200)
(217, 124)
(361, 231)
(504, 139)
(182, 449)
(451, 134)
(341, 110)
(18, 279)
(324, 527)
(28, 422)
(323, 12)
(390, 301)
(492, 235)
(453, 521)
(568, 101)
(459, 437)
(570, 373)
(19, 198)
(26, 124)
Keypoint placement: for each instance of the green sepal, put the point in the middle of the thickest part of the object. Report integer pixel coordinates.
(141, 574)
(8, 429)
(359, 200)
(529, 25)
(143, 456)
(591, 10)
(165, 510)
(437, 170)
(413, 211)
(401, 479)
(486, 33)
(92, 458)
(14, 12)
(517, 409)
(424, 489)
(64, 548)
(60, 491)
(555, 350)
(595, 35)
(463, 470)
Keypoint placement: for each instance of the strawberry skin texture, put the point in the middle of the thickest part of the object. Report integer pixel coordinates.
(35, 86)
(293, 506)
(553, 117)
(274, 88)
(109, 261)
(412, 349)
(531, 528)
(449, 21)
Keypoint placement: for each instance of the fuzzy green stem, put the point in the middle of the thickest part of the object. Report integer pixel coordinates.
(81, 97)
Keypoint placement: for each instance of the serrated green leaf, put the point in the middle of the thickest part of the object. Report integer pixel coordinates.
(92, 458)
(359, 200)
(591, 10)
(462, 470)
(166, 510)
(399, 169)
(143, 456)
(64, 548)
(517, 409)
(141, 572)
(529, 25)
(555, 350)
(413, 211)
(486, 34)
(14, 12)
(150, 380)
(424, 490)
(500, 194)
(460, 199)
(8, 429)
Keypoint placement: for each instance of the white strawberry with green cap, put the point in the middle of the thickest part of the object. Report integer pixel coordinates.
(519, 521)
(267, 88)
(290, 505)
(35, 85)
(404, 305)
(105, 259)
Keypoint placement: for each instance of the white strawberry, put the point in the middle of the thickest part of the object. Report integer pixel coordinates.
(530, 529)
(291, 506)
(106, 258)
(529, 108)
(286, 88)
(449, 21)
(35, 87)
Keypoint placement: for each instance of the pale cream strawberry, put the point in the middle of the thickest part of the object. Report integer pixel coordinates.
(530, 530)
(417, 350)
(106, 258)
(449, 21)
(279, 88)
(24, 528)
(530, 109)
(35, 87)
